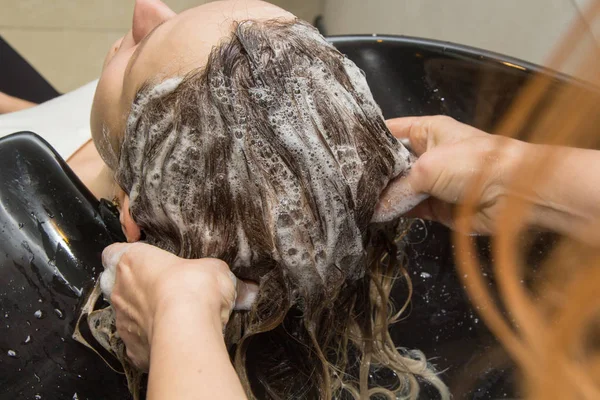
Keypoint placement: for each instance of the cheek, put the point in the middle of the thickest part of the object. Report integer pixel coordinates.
(104, 117)
(107, 117)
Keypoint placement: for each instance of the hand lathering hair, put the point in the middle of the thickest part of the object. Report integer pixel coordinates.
(272, 158)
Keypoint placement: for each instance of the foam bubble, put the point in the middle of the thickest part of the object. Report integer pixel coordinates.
(304, 176)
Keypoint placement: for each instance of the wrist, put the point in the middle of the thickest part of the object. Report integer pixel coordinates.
(182, 319)
(184, 310)
(502, 159)
(187, 284)
(512, 154)
(521, 179)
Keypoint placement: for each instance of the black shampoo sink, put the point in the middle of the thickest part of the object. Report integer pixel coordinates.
(410, 76)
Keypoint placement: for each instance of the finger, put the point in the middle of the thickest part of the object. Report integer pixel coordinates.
(433, 209)
(138, 355)
(398, 198)
(413, 129)
(247, 292)
(111, 256)
(400, 127)
(137, 255)
(421, 210)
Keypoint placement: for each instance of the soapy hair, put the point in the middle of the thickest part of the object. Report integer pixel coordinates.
(272, 158)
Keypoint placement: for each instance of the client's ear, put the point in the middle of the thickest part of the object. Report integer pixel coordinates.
(130, 228)
(147, 15)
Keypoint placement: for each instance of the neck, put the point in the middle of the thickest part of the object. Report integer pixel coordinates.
(103, 185)
(93, 172)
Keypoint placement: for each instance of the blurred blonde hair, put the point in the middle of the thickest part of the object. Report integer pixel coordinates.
(552, 334)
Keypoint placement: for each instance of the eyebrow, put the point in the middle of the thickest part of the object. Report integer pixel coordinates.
(141, 45)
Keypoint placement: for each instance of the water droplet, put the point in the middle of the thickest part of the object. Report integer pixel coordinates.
(476, 320)
(21, 225)
(38, 314)
(27, 339)
(425, 275)
(12, 353)
(37, 397)
(75, 397)
(6, 315)
(59, 313)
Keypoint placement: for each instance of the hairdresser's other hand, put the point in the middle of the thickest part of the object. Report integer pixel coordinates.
(148, 286)
(450, 154)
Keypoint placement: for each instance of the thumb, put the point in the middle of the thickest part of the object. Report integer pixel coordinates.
(111, 256)
(414, 130)
(135, 255)
(399, 197)
(247, 292)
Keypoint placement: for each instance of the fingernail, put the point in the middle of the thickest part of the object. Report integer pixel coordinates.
(397, 199)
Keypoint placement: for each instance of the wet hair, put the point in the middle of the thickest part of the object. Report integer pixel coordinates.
(272, 158)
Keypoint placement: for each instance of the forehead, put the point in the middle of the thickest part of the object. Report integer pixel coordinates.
(184, 42)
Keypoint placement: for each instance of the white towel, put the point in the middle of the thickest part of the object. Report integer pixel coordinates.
(64, 122)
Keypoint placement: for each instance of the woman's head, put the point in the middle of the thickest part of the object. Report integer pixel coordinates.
(161, 44)
(274, 153)
(268, 151)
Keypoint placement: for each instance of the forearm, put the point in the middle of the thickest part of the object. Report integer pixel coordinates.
(188, 358)
(567, 198)
(10, 104)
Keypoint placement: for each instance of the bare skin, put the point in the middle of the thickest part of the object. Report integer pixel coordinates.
(160, 45)
(451, 154)
(175, 303)
(171, 313)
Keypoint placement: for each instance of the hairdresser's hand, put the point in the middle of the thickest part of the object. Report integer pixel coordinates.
(148, 286)
(450, 154)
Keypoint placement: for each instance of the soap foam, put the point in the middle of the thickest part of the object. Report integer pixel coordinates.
(304, 173)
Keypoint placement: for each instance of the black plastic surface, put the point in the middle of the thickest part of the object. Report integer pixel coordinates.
(52, 237)
(410, 76)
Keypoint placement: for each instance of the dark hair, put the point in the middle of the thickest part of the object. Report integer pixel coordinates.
(272, 157)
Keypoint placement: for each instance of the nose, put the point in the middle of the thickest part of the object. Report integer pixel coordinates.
(147, 14)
